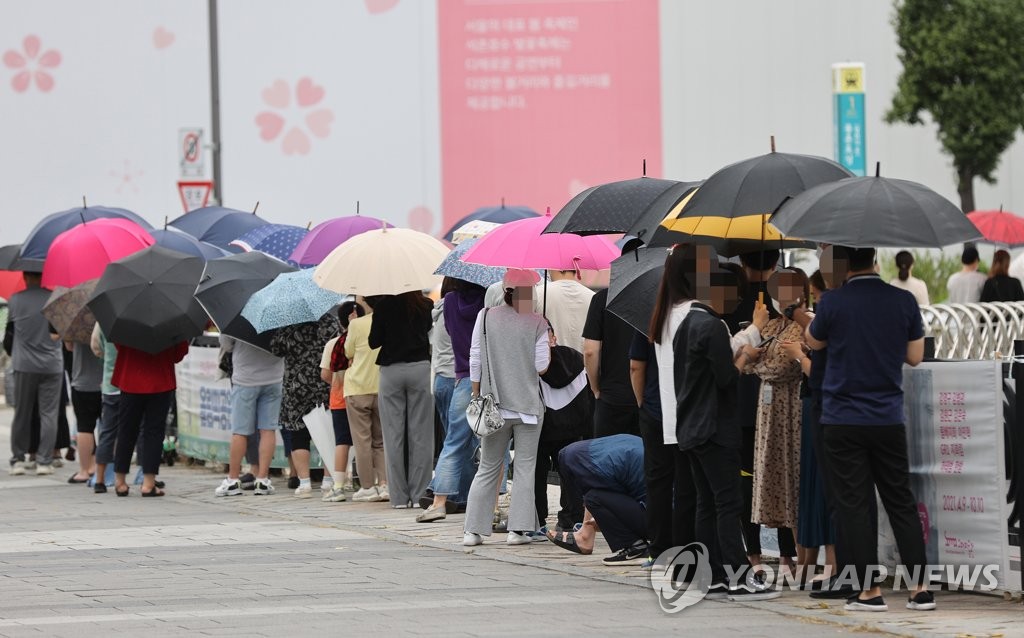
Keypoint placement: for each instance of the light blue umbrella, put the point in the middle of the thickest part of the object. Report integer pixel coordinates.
(453, 266)
(290, 299)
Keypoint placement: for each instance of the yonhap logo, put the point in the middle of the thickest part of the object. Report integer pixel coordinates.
(681, 577)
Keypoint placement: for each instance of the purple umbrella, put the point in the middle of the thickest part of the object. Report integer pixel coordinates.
(328, 235)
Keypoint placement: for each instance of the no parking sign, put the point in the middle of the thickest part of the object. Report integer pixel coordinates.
(191, 157)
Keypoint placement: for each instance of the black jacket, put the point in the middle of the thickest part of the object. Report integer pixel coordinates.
(705, 377)
(574, 420)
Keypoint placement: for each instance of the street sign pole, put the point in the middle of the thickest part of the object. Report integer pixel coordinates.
(218, 183)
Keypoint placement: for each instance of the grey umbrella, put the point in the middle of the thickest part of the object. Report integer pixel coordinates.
(633, 287)
(147, 300)
(226, 286)
(866, 212)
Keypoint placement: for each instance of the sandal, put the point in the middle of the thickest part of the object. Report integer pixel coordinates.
(566, 540)
(122, 493)
(156, 491)
(78, 480)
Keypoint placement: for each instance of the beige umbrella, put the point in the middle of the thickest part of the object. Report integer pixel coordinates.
(67, 313)
(389, 261)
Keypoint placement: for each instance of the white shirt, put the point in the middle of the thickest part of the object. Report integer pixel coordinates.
(914, 286)
(965, 286)
(568, 302)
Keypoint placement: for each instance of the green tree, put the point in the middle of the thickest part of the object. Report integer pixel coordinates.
(963, 63)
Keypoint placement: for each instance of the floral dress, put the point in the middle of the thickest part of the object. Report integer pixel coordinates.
(777, 444)
(302, 346)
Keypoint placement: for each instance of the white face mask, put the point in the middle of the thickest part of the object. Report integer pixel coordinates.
(775, 304)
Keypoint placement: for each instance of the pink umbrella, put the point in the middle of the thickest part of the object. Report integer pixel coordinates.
(81, 254)
(328, 235)
(523, 244)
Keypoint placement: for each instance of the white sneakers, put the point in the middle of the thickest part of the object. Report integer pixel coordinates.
(335, 495)
(470, 539)
(229, 487)
(372, 494)
(43, 470)
(262, 487)
(17, 468)
(304, 491)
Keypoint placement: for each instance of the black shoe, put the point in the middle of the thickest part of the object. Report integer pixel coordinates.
(632, 555)
(451, 507)
(427, 499)
(922, 601)
(829, 591)
(293, 482)
(99, 488)
(854, 603)
(248, 481)
(746, 593)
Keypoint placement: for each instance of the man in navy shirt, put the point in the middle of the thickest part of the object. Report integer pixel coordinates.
(870, 329)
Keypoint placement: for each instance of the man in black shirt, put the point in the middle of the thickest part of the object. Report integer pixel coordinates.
(606, 341)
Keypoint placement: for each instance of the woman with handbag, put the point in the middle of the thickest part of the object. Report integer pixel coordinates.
(512, 387)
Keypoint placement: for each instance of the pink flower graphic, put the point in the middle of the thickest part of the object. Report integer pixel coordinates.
(304, 117)
(31, 65)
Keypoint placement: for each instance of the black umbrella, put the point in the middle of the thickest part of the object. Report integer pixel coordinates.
(865, 212)
(37, 244)
(147, 300)
(634, 285)
(726, 246)
(633, 206)
(757, 186)
(9, 257)
(225, 288)
(218, 226)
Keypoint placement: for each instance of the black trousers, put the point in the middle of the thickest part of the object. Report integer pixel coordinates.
(87, 407)
(620, 517)
(862, 459)
(671, 495)
(147, 412)
(571, 511)
(615, 419)
(716, 475)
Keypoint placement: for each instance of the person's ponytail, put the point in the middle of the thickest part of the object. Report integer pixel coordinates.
(904, 261)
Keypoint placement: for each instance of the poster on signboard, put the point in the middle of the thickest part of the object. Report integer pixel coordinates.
(957, 469)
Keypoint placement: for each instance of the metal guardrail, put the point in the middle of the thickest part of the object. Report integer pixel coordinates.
(974, 330)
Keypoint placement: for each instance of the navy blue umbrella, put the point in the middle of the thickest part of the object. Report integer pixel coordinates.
(184, 243)
(218, 226)
(37, 244)
(494, 214)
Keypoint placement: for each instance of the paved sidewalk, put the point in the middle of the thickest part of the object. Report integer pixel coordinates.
(78, 564)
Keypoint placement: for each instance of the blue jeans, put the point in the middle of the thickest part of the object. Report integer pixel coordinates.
(454, 472)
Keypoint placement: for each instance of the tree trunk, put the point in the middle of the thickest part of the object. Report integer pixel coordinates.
(965, 187)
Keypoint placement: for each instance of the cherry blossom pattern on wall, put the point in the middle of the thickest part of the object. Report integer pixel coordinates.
(380, 6)
(31, 64)
(162, 38)
(294, 123)
(421, 218)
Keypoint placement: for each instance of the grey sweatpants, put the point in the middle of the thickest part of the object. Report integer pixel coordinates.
(407, 421)
(522, 513)
(33, 389)
(107, 435)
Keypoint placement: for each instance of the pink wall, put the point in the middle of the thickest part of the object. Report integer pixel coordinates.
(542, 100)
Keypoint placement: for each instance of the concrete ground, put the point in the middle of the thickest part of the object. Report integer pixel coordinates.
(77, 564)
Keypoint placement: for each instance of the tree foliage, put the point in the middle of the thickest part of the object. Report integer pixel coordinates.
(963, 63)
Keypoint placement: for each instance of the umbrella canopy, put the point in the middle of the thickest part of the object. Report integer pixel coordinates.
(388, 261)
(328, 235)
(494, 214)
(83, 252)
(67, 312)
(290, 299)
(864, 212)
(147, 300)
(226, 286)
(217, 225)
(276, 240)
(174, 239)
(9, 256)
(37, 244)
(634, 285)
(998, 227)
(472, 230)
(633, 206)
(523, 244)
(757, 186)
(453, 266)
(11, 281)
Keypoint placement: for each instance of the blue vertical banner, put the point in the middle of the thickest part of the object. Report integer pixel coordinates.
(849, 134)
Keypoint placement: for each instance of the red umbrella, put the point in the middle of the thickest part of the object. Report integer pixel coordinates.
(999, 226)
(11, 281)
(83, 252)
